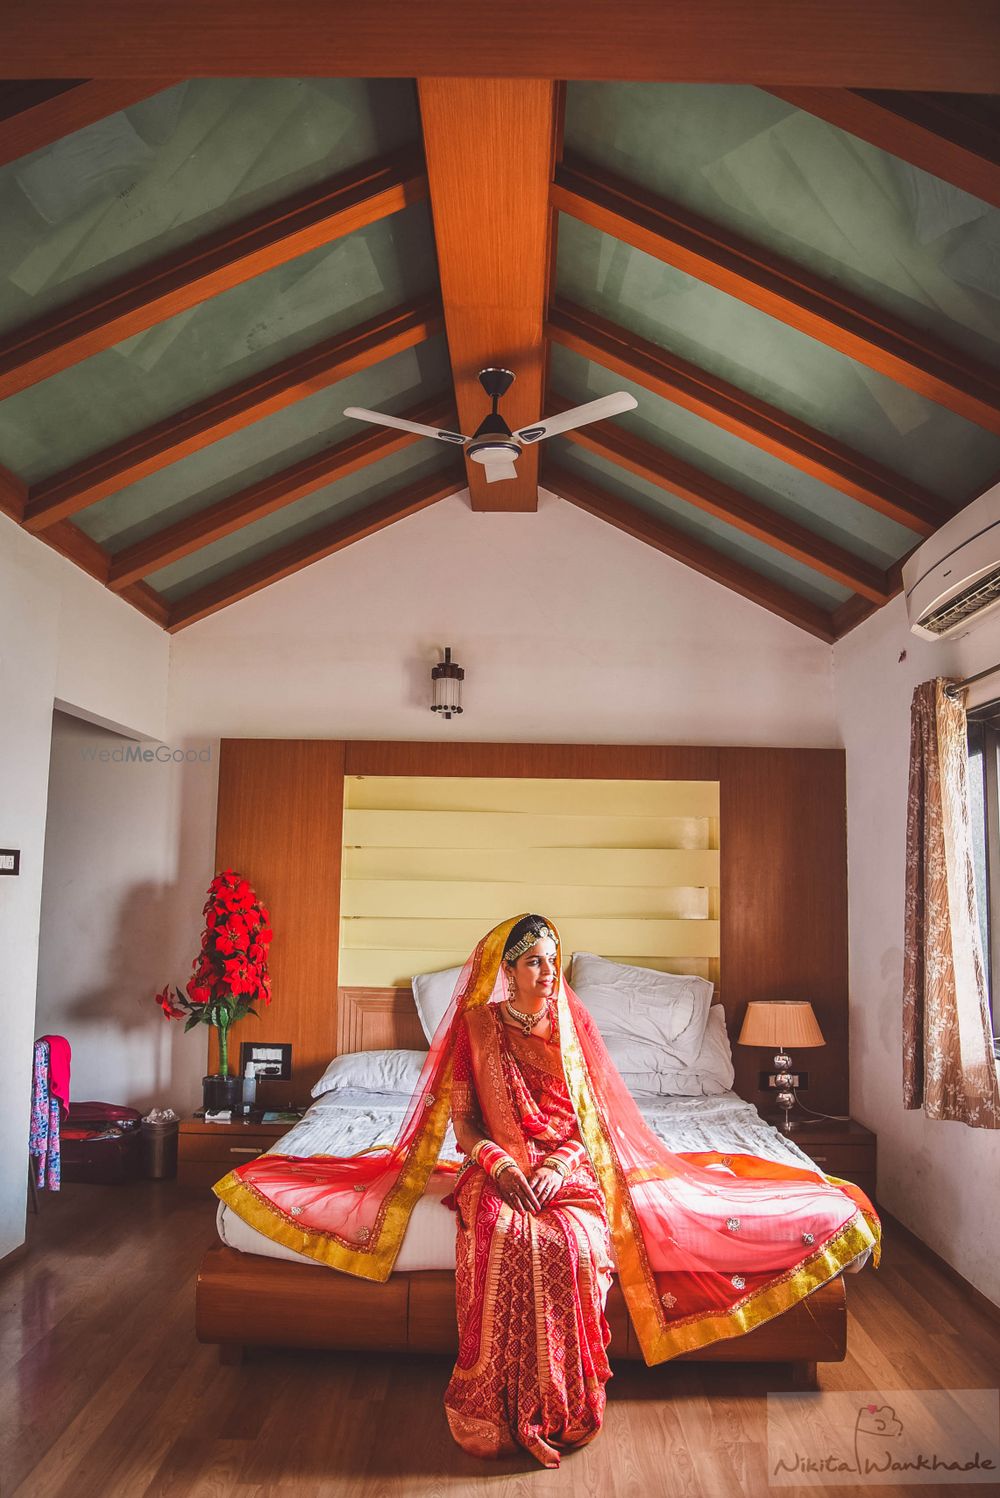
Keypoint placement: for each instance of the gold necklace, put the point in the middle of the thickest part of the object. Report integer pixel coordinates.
(526, 1021)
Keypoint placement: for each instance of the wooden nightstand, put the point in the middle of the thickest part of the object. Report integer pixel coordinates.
(847, 1150)
(206, 1151)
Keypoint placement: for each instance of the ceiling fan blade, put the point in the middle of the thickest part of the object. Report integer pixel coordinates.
(380, 419)
(578, 416)
(501, 468)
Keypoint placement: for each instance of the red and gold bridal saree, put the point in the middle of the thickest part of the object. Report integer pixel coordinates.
(530, 1288)
(705, 1246)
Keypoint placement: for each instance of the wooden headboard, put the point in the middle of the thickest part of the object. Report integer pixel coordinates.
(783, 882)
(376, 1019)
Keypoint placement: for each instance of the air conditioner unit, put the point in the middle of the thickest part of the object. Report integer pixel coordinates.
(953, 580)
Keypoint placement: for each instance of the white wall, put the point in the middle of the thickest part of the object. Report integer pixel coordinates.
(937, 1177)
(61, 636)
(112, 908)
(569, 631)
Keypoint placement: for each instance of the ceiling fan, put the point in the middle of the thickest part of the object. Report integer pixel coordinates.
(494, 445)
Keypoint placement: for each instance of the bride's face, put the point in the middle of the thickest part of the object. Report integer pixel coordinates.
(535, 974)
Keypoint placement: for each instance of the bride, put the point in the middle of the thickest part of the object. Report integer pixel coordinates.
(563, 1183)
(533, 1261)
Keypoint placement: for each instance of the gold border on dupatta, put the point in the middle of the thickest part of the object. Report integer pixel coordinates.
(374, 1261)
(658, 1338)
(635, 1273)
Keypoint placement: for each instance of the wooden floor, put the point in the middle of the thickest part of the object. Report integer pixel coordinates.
(104, 1392)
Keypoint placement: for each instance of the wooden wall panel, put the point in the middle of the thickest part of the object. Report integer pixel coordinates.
(280, 824)
(603, 761)
(783, 903)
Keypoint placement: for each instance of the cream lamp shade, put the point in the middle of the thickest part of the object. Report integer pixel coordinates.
(780, 1023)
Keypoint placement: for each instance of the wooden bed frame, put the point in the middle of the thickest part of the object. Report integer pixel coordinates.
(245, 1300)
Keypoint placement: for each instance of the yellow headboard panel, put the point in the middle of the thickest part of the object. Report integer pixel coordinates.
(627, 868)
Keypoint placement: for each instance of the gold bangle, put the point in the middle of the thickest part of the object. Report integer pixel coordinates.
(505, 1164)
(552, 1162)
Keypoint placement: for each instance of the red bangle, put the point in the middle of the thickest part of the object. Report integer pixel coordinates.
(489, 1156)
(568, 1155)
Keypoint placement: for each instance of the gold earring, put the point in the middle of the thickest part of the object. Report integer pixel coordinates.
(511, 988)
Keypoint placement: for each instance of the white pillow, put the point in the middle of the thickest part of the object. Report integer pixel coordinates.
(712, 1073)
(643, 1006)
(374, 1071)
(432, 994)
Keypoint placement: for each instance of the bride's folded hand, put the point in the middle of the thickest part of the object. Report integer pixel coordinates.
(546, 1184)
(513, 1186)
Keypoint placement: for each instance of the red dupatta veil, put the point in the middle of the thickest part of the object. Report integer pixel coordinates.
(707, 1246)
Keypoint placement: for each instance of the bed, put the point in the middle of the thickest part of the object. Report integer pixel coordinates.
(252, 1291)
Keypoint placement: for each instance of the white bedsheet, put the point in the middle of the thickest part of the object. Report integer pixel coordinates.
(346, 1121)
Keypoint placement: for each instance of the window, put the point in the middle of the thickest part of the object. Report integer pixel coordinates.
(984, 797)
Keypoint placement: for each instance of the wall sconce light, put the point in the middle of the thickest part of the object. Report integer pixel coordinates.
(446, 686)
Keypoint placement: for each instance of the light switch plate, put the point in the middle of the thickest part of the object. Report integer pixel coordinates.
(10, 860)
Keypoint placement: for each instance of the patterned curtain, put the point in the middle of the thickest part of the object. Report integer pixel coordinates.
(948, 1064)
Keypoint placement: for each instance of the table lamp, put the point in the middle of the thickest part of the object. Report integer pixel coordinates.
(780, 1024)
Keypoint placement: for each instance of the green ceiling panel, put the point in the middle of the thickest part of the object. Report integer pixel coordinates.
(182, 164)
(747, 469)
(768, 359)
(268, 446)
(870, 223)
(731, 543)
(209, 347)
(335, 502)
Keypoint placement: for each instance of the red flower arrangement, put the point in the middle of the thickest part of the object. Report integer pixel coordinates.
(230, 972)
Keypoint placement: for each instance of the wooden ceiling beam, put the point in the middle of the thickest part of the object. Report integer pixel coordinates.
(693, 553)
(944, 44)
(489, 146)
(850, 613)
(211, 265)
(35, 112)
(229, 411)
(13, 495)
(74, 544)
(765, 426)
(267, 495)
(854, 611)
(144, 598)
(945, 135)
(610, 441)
(781, 289)
(77, 547)
(312, 548)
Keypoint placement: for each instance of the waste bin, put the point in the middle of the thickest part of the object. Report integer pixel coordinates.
(159, 1149)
